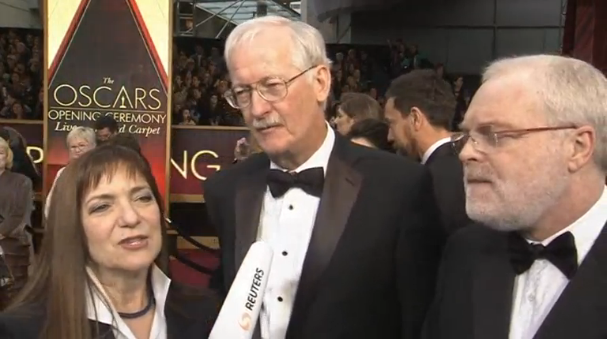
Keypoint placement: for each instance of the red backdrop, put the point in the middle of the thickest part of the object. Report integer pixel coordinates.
(197, 153)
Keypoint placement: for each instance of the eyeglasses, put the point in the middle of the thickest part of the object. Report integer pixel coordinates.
(271, 89)
(485, 139)
(79, 146)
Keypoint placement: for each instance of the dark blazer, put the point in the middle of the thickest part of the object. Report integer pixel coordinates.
(372, 258)
(448, 179)
(188, 316)
(475, 291)
(16, 199)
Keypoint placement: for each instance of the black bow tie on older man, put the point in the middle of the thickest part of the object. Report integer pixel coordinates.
(561, 252)
(310, 181)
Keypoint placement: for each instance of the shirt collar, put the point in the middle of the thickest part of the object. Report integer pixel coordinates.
(320, 158)
(587, 228)
(433, 148)
(100, 308)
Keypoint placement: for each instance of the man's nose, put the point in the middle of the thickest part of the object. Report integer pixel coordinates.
(259, 106)
(390, 136)
(468, 152)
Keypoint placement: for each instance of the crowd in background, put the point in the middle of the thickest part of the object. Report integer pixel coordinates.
(21, 74)
(200, 77)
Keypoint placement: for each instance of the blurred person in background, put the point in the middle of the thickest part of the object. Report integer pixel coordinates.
(371, 133)
(102, 267)
(420, 109)
(22, 162)
(462, 98)
(355, 107)
(126, 140)
(245, 147)
(106, 127)
(78, 141)
(16, 206)
(186, 118)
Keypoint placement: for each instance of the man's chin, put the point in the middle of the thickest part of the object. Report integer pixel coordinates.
(407, 153)
(273, 146)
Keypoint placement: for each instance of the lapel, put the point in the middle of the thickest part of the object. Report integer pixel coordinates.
(492, 291)
(189, 314)
(441, 151)
(342, 185)
(578, 311)
(105, 331)
(249, 198)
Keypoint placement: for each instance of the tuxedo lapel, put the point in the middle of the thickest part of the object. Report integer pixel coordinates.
(342, 184)
(581, 309)
(249, 199)
(492, 292)
(441, 151)
(179, 325)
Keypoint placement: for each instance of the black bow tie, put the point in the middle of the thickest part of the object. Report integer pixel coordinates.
(310, 181)
(561, 252)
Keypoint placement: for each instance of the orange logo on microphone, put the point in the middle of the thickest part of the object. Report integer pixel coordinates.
(245, 321)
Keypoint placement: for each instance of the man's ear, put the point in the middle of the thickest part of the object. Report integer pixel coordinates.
(582, 148)
(322, 83)
(418, 119)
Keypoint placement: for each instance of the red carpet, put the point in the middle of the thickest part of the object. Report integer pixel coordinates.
(186, 275)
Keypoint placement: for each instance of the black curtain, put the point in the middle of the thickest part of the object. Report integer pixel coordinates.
(326, 9)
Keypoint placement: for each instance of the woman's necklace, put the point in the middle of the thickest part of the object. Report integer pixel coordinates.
(144, 311)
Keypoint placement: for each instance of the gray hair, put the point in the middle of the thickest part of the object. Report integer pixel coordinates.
(572, 91)
(84, 133)
(308, 44)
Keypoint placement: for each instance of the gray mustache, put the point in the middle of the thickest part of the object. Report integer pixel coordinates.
(476, 175)
(266, 122)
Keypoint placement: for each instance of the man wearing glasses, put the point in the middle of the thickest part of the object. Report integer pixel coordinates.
(534, 152)
(355, 239)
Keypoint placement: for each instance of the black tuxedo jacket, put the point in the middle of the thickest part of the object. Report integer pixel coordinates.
(475, 291)
(372, 257)
(448, 179)
(188, 316)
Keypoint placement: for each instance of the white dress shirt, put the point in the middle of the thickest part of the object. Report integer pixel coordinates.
(104, 313)
(286, 224)
(433, 148)
(538, 289)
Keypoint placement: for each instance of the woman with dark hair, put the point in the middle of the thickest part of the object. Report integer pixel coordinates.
(355, 107)
(126, 140)
(371, 133)
(102, 271)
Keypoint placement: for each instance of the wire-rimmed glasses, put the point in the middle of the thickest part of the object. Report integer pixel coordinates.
(485, 139)
(271, 89)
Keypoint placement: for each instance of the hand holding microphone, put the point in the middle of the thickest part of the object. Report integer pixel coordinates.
(240, 311)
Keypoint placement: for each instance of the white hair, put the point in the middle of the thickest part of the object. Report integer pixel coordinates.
(81, 132)
(572, 91)
(308, 44)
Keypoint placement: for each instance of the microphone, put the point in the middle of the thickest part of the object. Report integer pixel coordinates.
(240, 311)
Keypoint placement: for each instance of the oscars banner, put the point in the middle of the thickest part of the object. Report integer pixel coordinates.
(108, 58)
(197, 153)
(192, 164)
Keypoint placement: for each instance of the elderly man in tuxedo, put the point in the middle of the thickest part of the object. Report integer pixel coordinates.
(356, 245)
(534, 152)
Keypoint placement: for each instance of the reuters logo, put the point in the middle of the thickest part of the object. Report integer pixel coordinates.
(245, 321)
